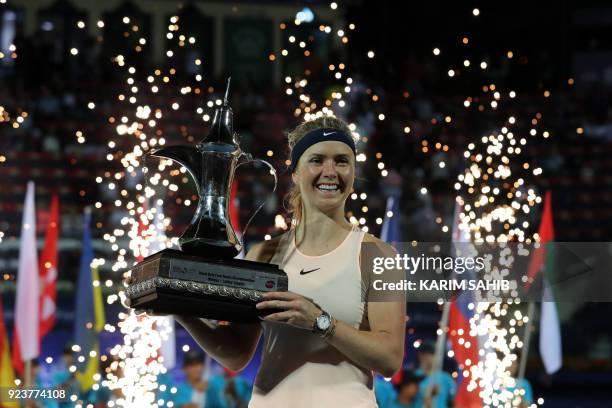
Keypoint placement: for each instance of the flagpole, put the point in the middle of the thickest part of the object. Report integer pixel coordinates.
(439, 351)
(28, 373)
(207, 367)
(526, 340)
(456, 235)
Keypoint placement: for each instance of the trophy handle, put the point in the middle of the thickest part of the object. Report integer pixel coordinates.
(247, 158)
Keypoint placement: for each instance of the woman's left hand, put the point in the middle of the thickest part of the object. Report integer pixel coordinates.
(298, 311)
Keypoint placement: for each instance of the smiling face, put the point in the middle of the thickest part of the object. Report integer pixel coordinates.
(325, 175)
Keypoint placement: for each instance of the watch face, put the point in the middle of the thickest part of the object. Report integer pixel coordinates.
(323, 322)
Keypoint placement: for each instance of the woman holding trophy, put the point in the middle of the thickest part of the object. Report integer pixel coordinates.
(324, 338)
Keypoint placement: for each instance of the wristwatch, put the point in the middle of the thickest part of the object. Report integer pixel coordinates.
(322, 323)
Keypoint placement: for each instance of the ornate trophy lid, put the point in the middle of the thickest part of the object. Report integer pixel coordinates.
(221, 133)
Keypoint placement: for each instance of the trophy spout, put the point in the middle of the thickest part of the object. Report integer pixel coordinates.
(187, 156)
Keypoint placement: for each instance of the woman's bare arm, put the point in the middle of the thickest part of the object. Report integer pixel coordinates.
(232, 345)
(381, 348)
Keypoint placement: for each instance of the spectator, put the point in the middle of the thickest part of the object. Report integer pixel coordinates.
(408, 393)
(38, 383)
(64, 379)
(192, 393)
(384, 391)
(437, 388)
(113, 371)
(228, 390)
(523, 394)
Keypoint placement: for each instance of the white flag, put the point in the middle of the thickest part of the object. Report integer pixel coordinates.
(550, 332)
(28, 287)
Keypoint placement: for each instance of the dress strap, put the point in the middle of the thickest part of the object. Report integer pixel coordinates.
(279, 255)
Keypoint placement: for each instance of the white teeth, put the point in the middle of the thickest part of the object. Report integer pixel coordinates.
(327, 187)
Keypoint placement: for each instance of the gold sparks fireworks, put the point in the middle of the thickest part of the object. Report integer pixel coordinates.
(132, 189)
(496, 204)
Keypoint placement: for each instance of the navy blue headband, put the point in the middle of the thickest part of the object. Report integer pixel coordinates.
(316, 136)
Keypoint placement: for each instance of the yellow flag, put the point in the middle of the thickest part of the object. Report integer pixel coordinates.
(93, 366)
(7, 375)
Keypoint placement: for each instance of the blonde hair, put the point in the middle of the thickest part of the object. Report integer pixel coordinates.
(293, 198)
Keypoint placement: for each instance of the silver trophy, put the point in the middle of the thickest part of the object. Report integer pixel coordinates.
(203, 279)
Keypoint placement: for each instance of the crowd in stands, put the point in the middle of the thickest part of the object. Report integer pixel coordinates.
(46, 148)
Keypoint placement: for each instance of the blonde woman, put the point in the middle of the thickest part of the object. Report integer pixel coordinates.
(321, 349)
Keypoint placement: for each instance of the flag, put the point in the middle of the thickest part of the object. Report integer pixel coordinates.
(546, 232)
(141, 250)
(459, 317)
(391, 226)
(48, 271)
(543, 258)
(159, 239)
(234, 215)
(207, 368)
(90, 318)
(7, 375)
(26, 340)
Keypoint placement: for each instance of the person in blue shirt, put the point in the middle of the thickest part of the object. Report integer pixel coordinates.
(166, 389)
(103, 395)
(63, 379)
(384, 391)
(192, 393)
(437, 388)
(522, 389)
(39, 384)
(407, 393)
(228, 390)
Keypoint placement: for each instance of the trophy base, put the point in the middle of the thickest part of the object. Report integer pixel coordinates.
(173, 282)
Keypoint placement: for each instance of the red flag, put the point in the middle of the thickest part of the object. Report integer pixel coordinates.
(143, 225)
(465, 344)
(233, 208)
(546, 233)
(234, 214)
(7, 375)
(16, 357)
(48, 271)
(459, 328)
(542, 259)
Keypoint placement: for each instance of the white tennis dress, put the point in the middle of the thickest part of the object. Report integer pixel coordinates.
(298, 368)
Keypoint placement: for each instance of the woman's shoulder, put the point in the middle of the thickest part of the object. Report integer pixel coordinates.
(381, 245)
(264, 251)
